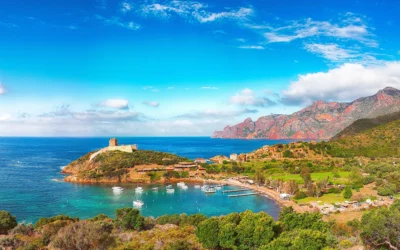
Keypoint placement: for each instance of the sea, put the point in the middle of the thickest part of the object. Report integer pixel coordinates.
(31, 184)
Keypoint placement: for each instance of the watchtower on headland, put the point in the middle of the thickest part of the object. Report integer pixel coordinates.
(113, 142)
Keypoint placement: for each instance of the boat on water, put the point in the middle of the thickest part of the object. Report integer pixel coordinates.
(184, 187)
(170, 190)
(197, 186)
(210, 190)
(169, 186)
(155, 188)
(180, 184)
(117, 189)
(138, 190)
(138, 203)
(204, 187)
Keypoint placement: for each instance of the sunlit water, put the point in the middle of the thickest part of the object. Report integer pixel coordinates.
(30, 168)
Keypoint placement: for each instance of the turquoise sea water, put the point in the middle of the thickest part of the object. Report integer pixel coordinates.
(29, 168)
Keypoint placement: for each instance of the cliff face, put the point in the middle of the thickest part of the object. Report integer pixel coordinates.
(320, 120)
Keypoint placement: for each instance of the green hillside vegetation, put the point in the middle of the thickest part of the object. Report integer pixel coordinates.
(247, 230)
(365, 124)
(116, 163)
(380, 141)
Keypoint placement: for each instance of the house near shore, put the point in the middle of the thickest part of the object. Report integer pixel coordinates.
(233, 157)
(185, 166)
(200, 160)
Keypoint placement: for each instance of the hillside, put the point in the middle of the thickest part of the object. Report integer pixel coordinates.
(364, 124)
(379, 141)
(321, 120)
(116, 166)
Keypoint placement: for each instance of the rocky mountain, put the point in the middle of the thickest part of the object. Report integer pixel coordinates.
(320, 120)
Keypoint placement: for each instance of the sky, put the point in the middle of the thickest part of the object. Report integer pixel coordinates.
(185, 68)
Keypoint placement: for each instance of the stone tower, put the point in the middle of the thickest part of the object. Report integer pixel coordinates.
(113, 142)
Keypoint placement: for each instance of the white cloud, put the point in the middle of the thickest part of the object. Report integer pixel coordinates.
(115, 103)
(150, 88)
(258, 47)
(194, 10)
(171, 88)
(345, 83)
(116, 21)
(210, 87)
(2, 89)
(151, 104)
(247, 98)
(241, 40)
(330, 51)
(350, 28)
(217, 113)
(5, 117)
(126, 7)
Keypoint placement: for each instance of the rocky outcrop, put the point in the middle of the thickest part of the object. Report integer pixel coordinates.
(320, 120)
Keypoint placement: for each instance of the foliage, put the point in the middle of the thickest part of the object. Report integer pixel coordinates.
(129, 219)
(44, 221)
(7, 222)
(84, 235)
(381, 227)
(207, 232)
(291, 220)
(347, 192)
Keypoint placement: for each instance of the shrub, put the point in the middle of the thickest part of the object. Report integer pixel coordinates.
(347, 192)
(207, 233)
(129, 218)
(169, 219)
(84, 235)
(43, 221)
(300, 195)
(23, 229)
(7, 222)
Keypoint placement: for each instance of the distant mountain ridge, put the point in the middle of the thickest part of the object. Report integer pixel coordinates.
(320, 120)
(365, 124)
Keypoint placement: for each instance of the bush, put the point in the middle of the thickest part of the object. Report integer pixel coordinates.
(23, 229)
(169, 219)
(84, 235)
(207, 233)
(179, 245)
(300, 195)
(44, 221)
(347, 192)
(129, 218)
(7, 222)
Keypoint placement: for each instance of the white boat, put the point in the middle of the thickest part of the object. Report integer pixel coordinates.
(170, 190)
(210, 190)
(197, 186)
(204, 188)
(138, 203)
(138, 190)
(218, 187)
(184, 187)
(180, 184)
(169, 186)
(155, 188)
(117, 189)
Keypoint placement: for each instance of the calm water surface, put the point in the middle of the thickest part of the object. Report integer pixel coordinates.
(30, 166)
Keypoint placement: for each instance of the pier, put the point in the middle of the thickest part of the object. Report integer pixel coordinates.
(235, 190)
(239, 195)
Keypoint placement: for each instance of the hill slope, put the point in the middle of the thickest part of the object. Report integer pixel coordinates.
(116, 166)
(364, 124)
(321, 120)
(380, 141)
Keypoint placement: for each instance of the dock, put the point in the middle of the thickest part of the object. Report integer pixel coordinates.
(239, 195)
(235, 190)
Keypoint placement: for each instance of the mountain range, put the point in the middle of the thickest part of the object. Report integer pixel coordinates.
(320, 120)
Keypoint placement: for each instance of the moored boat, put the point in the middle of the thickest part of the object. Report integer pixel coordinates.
(138, 190)
(117, 189)
(138, 203)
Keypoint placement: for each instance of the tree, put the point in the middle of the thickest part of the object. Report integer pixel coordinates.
(299, 239)
(306, 176)
(381, 228)
(129, 218)
(207, 233)
(259, 176)
(292, 187)
(7, 222)
(227, 235)
(245, 229)
(288, 154)
(347, 192)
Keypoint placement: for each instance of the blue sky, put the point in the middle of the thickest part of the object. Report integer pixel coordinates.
(162, 68)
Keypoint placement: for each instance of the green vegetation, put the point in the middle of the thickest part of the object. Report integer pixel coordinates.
(7, 222)
(378, 229)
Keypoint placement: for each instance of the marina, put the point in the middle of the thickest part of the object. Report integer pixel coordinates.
(241, 195)
(236, 190)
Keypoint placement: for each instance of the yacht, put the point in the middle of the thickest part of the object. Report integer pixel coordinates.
(138, 203)
(210, 190)
(180, 184)
(170, 190)
(197, 186)
(117, 189)
(155, 188)
(138, 190)
(169, 186)
(184, 187)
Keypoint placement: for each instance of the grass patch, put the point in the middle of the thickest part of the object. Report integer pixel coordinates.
(326, 198)
(315, 177)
